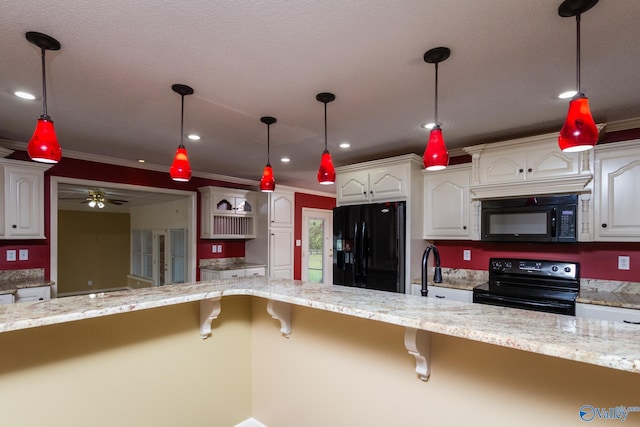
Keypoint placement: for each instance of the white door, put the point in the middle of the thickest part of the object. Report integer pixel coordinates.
(317, 245)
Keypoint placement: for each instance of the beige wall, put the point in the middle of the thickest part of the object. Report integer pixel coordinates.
(341, 371)
(148, 368)
(92, 246)
(151, 368)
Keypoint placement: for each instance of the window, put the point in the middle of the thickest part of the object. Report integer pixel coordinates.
(142, 253)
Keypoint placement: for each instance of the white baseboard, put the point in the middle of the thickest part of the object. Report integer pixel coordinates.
(250, 422)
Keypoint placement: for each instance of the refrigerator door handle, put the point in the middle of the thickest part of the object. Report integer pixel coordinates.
(354, 254)
(363, 248)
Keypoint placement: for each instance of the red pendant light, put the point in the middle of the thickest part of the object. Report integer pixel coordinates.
(579, 132)
(43, 146)
(180, 168)
(436, 156)
(268, 182)
(326, 172)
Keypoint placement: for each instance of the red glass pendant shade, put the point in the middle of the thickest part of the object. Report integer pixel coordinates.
(43, 146)
(326, 173)
(579, 132)
(180, 168)
(267, 182)
(436, 156)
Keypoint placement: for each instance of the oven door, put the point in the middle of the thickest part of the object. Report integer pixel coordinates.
(545, 305)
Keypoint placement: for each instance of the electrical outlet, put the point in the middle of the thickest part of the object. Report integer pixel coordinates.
(90, 283)
(23, 255)
(623, 262)
(214, 249)
(11, 255)
(466, 255)
(219, 249)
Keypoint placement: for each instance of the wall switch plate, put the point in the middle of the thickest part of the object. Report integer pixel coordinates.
(11, 255)
(214, 249)
(89, 282)
(298, 242)
(23, 255)
(623, 262)
(466, 255)
(219, 249)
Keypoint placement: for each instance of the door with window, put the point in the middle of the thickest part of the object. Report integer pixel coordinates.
(317, 245)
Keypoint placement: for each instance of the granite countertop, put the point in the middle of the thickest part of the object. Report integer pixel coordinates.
(609, 344)
(611, 299)
(237, 266)
(11, 286)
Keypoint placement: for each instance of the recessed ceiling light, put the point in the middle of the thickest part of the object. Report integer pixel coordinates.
(194, 137)
(140, 160)
(345, 145)
(567, 94)
(427, 125)
(285, 160)
(24, 95)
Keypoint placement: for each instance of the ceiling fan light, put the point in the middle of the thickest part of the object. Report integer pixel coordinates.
(43, 146)
(100, 205)
(92, 204)
(436, 156)
(579, 132)
(267, 182)
(180, 168)
(326, 172)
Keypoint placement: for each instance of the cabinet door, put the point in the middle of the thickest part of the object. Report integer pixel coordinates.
(501, 166)
(446, 204)
(206, 275)
(352, 187)
(281, 209)
(388, 183)
(616, 190)
(548, 161)
(24, 203)
(281, 254)
(254, 271)
(6, 299)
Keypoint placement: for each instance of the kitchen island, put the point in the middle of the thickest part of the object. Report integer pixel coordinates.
(351, 343)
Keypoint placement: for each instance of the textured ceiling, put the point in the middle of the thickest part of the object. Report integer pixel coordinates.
(109, 87)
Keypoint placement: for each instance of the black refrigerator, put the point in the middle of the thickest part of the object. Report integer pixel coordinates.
(369, 246)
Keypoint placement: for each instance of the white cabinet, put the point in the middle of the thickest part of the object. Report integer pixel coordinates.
(528, 166)
(281, 253)
(207, 274)
(281, 209)
(6, 299)
(447, 203)
(602, 312)
(617, 205)
(227, 213)
(439, 292)
(363, 185)
(37, 293)
(22, 199)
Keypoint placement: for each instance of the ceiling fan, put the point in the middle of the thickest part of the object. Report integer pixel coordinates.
(97, 199)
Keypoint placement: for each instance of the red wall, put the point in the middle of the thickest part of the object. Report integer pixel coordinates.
(597, 260)
(303, 200)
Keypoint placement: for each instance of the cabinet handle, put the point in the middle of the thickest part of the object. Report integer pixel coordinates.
(630, 322)
(14, 226)
(464, 227)
(364, 192)
(520, 170)
(529, 170)
(440, 296)
(370, 191)
(604, 225)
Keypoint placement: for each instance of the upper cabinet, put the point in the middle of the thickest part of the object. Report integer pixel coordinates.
(447, 203)
(227, 213)
(376, 181)
(528, 166)
(616, 192)
(281, 209)
(22, 199)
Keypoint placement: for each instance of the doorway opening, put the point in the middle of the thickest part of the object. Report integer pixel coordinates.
(317, 245)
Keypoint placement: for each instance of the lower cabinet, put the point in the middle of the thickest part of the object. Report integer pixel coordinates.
(603, 312)
(38, 293)
(206, 274)
(452, 294)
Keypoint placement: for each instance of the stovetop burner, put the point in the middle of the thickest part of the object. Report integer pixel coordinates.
(540, 285)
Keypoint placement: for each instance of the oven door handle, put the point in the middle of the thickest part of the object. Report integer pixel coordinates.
(555, 304)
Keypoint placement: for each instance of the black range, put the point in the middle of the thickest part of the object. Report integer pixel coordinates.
(540, 285)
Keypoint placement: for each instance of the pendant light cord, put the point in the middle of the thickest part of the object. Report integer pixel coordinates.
(268, 143)
(182, 123)
(325, 127)
(578, 52)
(44, 89)
(436, 97)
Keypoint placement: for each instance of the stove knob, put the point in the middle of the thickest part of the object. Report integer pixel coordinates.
(554, 268)
(567, 269)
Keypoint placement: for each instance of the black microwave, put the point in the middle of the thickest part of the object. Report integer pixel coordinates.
(530, 219)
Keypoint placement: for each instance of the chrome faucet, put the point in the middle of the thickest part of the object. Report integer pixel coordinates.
(437, 274)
